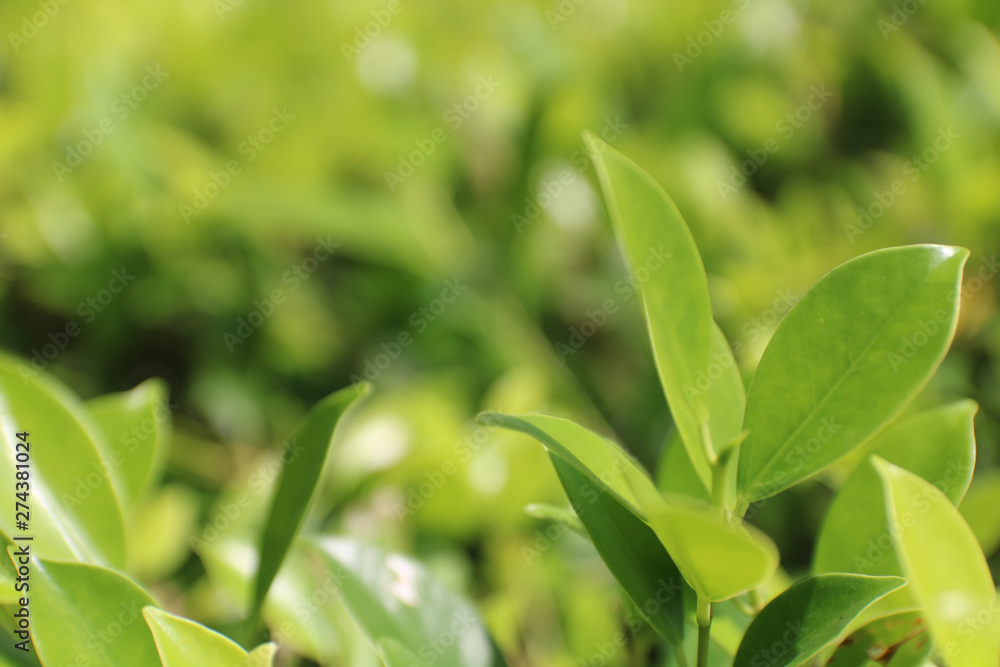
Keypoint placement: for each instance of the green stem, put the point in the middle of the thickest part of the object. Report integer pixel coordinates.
(704, 630)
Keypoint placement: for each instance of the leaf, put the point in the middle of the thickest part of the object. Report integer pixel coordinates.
(392, 597)
(663, 257)
(799, 623)
(676, 474)
(718, 558)
(86, 610)
(395, 655)
(560, 515)
(303, 460)
(262, 656)
(601, 460)
(878, 639)
(945, 567)
(845, 360)
(183, 643)
(75, 513)
(631, 550)
(136, 425)
(979, 508)
(940, 446)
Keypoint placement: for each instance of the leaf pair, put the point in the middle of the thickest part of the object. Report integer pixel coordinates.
(645, 540)
(845, 360)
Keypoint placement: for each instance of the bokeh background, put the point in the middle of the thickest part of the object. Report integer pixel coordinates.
(262, 202)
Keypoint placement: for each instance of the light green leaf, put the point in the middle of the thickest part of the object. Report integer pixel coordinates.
(303, 460)
(600, 459)
(720, 559)
(631, 550)
(136, 425)
(392, 597)
(799, 623)
(845, 360)
(262, 656)
(940, 446)
(75, 514)
(945, 567)
(661, 250)
(980, 510)
(183, 643)
(87, 612)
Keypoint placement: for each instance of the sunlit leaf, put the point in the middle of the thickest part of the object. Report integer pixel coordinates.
(136, 425)
(799, 623)
(630, 549)
(75, 514)
(945, 567)
(86, 614)
(662, 253)
(183, 643)
(940, 446)
(303, 460)
(845, 360)
(603, 461)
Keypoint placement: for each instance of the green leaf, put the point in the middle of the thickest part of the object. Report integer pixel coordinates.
(395, 655)
(980, 510)
(631, 550)
(76, 514)
(845, 360)
(799, 623)
(560, 515)
(392, 597)
(603, 461)
(136, 425)
(676, 474)
(183, 643)
(657, 242)
(262, 656)
(940, 446)
(303, 460)
(720, 559)
(878, 639)
(89, 611)
(945, 567)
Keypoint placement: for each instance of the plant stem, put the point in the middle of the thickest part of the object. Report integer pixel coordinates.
(704, 630)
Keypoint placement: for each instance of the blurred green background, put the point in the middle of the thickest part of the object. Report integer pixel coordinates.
(262, 202)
